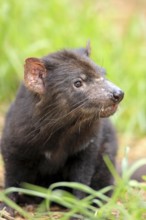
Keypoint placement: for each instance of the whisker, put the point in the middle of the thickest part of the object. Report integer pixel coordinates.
(53, 121)
(63, 124)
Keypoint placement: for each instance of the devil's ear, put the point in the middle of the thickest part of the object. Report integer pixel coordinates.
(88, 48)
(34, 74)
(84, 51)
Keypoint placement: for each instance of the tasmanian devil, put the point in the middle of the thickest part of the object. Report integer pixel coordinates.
(57, 127)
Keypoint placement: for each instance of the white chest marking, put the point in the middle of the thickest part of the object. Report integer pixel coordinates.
(48, 155)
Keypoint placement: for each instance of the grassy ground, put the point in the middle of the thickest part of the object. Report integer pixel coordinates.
(128, 200)
(117, 33)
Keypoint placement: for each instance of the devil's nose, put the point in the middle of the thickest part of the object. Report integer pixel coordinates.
(118, 95)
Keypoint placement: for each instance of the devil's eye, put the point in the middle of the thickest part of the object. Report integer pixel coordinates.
(78, 83)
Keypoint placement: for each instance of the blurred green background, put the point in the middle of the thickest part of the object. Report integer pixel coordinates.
(116, 29)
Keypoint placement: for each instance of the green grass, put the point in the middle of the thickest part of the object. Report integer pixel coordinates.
(128, 200)
(35, 28)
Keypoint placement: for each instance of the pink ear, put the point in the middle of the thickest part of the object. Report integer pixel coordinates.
(34, 74)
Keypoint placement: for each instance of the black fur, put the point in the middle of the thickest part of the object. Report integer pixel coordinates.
(61, 132)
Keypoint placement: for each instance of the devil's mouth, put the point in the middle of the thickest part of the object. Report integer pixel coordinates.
(106, 111)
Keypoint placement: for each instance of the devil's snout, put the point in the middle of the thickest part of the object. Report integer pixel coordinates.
(115, 92)
(117, 95)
